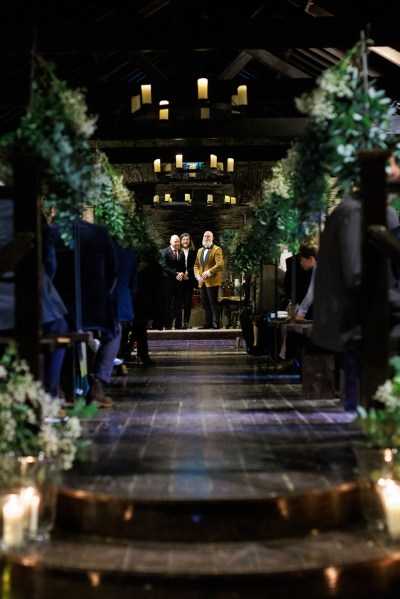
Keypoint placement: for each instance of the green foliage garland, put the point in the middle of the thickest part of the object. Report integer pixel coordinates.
(55, 130)
(346, 116)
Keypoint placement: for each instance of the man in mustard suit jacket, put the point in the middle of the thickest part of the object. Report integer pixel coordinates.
(208, 272)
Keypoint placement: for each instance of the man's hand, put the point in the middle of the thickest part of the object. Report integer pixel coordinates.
(206, 274)
(179, 276)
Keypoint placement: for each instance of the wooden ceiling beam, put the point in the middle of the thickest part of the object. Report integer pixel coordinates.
(300, 32)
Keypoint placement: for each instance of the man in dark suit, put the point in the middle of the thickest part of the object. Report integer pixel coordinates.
(97, 287)
(173, 264)
(189, 282)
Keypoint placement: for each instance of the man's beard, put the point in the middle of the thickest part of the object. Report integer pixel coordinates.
(207, 244)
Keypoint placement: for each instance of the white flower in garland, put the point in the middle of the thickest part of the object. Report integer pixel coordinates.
(31, 421)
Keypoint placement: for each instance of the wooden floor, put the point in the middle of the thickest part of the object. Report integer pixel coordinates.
(210, 477)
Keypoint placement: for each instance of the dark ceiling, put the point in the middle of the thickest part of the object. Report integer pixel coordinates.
(276, 48)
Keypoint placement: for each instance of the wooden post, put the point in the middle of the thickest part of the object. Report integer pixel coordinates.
(374, 367)
(28, 288)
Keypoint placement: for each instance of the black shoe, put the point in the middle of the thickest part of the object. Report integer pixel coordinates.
(147, 361)
(177, 328)
(216, 326)
(256, 350)
(187, 326)
(206, 326)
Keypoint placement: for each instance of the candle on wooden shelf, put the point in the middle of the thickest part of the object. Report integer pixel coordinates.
(233, 200)
(192, 167)
(164, 110)
(187, 197)
(227, 199)
(210, 198)
(157, 165)
(213, 161)
(168, 197)
(230, 165)
(179, 161)
(202, 88)
(242, 95)
(220, 167)
(146, 93)
(156, 199)
(13, 522)
(168, 167)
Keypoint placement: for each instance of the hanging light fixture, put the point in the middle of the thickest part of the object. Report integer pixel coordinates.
(205, 110)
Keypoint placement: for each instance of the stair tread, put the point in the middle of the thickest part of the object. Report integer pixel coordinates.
(317, 550)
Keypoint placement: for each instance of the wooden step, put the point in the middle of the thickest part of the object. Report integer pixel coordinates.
(322, 564)
(83, 512)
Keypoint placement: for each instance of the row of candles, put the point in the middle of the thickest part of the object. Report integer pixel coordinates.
(145, 97)
(228, 200)
(214, 164)
(20, 517)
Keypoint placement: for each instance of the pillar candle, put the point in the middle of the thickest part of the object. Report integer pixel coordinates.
(13, 522)
(220, 166)
(25, 499)
(135, 103)
(34, 514)
(233, 200)
(167, 197)
(230, 164)
(187, 197)
(157, 165)
(202, 88)
(391, 504)
(227, 200)
(242, 95)
(213, 161)
(146, 94)
(156, 199)
(210, 198)
(179, 161)
(164, 111)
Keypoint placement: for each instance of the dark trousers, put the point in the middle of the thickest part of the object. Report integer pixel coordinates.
(173, 303)
(126, 328)
(209, 299)
(187, 294)
(53, 360)
(105, 355)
